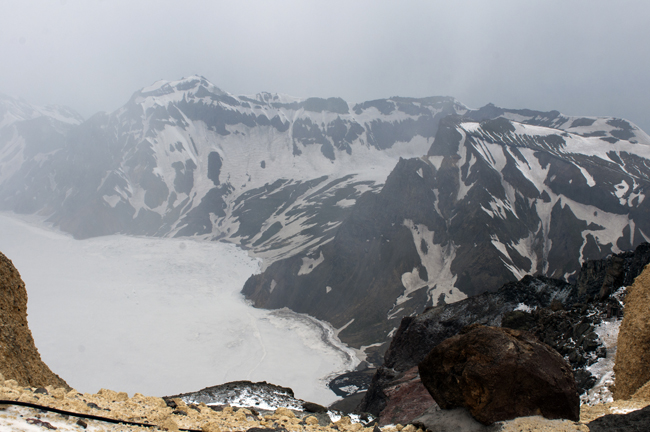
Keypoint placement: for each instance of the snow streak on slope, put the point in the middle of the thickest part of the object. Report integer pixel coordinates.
(161, 316)
(437, 260)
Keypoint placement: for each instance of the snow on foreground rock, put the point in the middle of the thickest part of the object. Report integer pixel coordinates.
(157, 414)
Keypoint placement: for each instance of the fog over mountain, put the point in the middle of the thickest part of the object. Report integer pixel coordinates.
(362, 213)
(582, 57)
(377, 158)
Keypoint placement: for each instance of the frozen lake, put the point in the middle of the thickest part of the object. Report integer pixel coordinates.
(160, 316)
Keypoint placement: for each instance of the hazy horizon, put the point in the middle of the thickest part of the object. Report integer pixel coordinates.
(581, 58)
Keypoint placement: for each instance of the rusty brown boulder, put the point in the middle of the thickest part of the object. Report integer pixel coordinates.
(19, 358)
(500, 374)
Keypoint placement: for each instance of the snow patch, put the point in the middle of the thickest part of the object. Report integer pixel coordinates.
(437, 261)
(590, 180)
(112, 200)
(346, 203)
(524, 308)
(309, 264)
(603, 369)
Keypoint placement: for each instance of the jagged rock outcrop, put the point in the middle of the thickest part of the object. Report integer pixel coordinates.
(19, 358)
(633, 353)
(560, 314)
(419, 334)
(493, 200)
(500, 374)
(599, 278)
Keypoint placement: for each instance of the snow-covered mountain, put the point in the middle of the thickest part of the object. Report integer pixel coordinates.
(269, 172)
(363, 213)
(492, 200)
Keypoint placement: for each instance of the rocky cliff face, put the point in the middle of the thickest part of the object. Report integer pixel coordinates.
(562, 315)
(19, 358)
(492, 201)
(633, 353)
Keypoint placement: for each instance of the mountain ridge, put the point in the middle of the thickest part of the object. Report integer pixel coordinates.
(363, 213)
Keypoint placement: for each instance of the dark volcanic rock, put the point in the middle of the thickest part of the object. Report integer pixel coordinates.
(636, 421)
(407, 399)
(599, 278)
(560, 314)
(500, 374)
(570, 332)
(418, 335)
(243, 393)
(314, 407)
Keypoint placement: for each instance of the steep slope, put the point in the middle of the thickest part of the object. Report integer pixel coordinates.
(304, 184)
(19, 358)
(491, 201)
(184, 158)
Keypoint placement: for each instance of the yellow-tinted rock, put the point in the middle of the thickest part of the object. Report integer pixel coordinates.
(121, 397)
(633, 347)
(169, 424)
(643, 393)
(107, 394)
(311, 420)
(11, 383)
(19, 358)
(58, 393)
(211, 427)
(284, 412)
(344, 421)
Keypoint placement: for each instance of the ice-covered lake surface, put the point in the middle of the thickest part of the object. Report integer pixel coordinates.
(161, 316)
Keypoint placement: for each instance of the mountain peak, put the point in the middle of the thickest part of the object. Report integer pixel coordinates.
(13, 110)
(194, 85)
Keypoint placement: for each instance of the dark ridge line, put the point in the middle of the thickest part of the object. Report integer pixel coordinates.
(86, 416)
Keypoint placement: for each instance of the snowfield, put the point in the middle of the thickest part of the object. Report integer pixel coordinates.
(161, 316)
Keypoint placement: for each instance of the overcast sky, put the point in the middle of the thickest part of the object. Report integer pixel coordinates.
(581, 57)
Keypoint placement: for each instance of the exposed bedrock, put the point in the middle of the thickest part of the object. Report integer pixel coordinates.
(633, 353)
(19, 358)
(560, 314)
(500, 374)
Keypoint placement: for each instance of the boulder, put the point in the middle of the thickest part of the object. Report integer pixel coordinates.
(500, 374)
(636, 421)
(633, 351)
(435, 419)
(19, 358)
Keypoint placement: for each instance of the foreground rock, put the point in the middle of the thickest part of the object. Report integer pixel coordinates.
(500, 374)
(636, 421)
(633, 353)
(157, 414)
(563, 315)
(19, 358)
